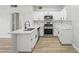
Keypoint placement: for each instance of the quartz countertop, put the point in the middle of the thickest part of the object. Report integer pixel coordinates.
(63, 26)
(21, 31)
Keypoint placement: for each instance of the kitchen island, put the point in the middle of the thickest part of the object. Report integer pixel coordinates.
(24, 41)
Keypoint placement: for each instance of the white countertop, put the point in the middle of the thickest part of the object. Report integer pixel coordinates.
(63, 26)
(21, 31)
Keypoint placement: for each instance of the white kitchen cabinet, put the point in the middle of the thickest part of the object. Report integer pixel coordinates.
(42, 30)
(26, 42)
(65, 36)
(23, 43)
(34, 38)
(41, 25)
(55, 32)
(38, 15)
(63, 14)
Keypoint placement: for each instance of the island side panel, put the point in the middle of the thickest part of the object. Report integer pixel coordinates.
(23, 43)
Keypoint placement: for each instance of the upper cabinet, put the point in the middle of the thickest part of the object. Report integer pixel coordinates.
(38, 15)
(57, 11)
(68, 11)
(63, 15)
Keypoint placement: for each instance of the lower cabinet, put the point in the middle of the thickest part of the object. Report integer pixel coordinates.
(55, 32)
(41, 24)
(65, 36)
(34, 38)
(26, 42)
(42, 30)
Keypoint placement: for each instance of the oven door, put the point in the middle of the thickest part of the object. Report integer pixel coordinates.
(48, 31)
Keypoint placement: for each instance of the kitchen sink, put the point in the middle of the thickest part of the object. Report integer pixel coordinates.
(29, 29)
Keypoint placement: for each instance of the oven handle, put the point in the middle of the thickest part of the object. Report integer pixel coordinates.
(48, 27)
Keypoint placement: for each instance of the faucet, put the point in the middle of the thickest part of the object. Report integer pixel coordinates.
(26, 24)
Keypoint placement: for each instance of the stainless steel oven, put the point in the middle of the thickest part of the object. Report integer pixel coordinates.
(48, 31)
(48, 25)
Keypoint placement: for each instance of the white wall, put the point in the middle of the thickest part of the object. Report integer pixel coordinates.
(4, 21)
(5, 18)
(26, 12)
(75, 23)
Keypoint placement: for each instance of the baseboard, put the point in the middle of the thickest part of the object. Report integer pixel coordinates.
(66, 44)
(76, 48)
(5, 36)
(24, 52)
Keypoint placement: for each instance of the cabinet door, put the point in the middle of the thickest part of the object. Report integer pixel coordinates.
(36, 35)
(38, 16)
(23, 43)
(60, 36)
(34, 38)
(55, 32)
(41, 31)
(66, 36)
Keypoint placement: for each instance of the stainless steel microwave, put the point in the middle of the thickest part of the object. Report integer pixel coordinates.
(48, 17)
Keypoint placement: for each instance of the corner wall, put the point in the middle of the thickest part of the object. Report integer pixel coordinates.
(75, 24)
(4, 21)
